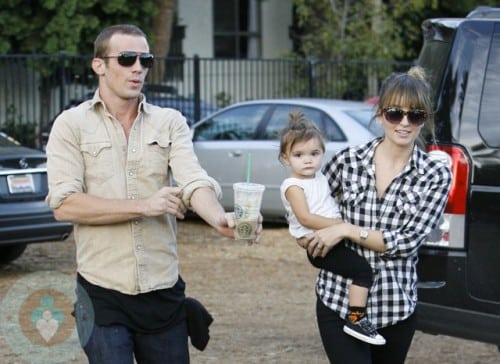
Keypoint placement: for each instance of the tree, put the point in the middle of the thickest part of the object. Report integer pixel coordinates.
(70, 26)
(368, 30)
(50, 26)
(162, 30)
(348, 29)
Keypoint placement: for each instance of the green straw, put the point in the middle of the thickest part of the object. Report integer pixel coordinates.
(249, 166)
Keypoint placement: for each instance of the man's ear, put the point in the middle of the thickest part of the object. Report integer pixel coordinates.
(98, 66)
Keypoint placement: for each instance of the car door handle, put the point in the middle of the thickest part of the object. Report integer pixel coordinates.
(431, 284)
(235, 153)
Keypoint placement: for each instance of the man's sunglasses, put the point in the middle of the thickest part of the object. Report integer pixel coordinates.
(394, 115)
(128, 59)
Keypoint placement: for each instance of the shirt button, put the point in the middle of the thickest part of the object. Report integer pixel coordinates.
(133, 150)
(136, 222)
(139, 247)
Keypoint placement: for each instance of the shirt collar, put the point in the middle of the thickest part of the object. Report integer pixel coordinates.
(143, 105)
(366, 153)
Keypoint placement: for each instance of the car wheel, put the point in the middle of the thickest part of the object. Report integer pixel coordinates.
(8, 253)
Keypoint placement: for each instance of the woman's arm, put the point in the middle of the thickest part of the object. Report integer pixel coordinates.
(322, 241)
(399, 241)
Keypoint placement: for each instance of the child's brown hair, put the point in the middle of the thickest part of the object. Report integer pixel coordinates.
(299, 129)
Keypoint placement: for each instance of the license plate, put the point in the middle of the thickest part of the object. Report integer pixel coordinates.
(20, 183)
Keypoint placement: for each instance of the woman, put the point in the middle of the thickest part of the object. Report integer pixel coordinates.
(391, 194)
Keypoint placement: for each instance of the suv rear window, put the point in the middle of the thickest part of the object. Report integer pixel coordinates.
(434, 53)
(489, 124)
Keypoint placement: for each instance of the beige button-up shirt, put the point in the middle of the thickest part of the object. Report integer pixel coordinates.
(89, 152)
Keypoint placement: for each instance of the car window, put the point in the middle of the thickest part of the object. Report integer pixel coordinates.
(490, 108)
(365, 118)
(6, 141)
(279, 120)
(239, 123)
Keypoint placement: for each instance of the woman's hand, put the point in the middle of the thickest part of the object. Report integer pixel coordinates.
(305, 240)
(322, 241)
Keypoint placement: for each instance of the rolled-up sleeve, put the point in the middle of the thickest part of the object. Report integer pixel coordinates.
(65, 166)
(406, 240)
(183, 162)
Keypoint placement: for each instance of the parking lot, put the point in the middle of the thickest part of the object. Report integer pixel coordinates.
(261, 297)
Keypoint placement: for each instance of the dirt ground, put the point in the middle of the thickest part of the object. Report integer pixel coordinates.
(261, 297)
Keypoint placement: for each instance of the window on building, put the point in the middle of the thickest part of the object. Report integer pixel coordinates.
(236, 28)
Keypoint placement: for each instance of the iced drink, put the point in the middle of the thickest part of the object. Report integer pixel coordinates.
(247, 201)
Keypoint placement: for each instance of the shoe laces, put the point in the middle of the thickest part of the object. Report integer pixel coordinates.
(366, 325)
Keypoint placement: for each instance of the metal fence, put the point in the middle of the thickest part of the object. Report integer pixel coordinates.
(35, 88)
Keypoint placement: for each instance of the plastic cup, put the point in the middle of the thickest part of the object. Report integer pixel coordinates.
(247, 201)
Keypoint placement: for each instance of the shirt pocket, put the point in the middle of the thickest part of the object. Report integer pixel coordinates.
(98, 159)
(157, 156)
(408, 204)
(354, 195)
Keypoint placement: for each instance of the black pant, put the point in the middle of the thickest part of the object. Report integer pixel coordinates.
(346, 262)
(344, 349)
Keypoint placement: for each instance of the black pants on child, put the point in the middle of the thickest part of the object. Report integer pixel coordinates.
(346, 262)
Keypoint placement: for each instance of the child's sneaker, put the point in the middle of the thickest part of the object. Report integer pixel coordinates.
(364, 331)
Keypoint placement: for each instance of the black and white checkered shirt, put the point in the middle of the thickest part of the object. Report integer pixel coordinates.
(411, 207)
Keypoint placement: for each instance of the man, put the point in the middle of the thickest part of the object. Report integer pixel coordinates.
(110, 160)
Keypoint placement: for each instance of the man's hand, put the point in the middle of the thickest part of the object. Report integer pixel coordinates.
(166, 200)
(227, 226)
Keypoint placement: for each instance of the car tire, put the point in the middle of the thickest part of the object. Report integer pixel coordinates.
(8, 253)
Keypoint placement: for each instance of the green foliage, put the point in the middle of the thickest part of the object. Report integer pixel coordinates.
(342, 29)
(336, 32)
(51, 26)
(370, 29)
(222, 99)
(15, 127)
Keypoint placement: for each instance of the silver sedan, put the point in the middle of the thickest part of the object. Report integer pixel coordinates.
(241, 141)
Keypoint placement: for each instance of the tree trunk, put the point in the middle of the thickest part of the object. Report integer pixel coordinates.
(376, 24)
(162, 30)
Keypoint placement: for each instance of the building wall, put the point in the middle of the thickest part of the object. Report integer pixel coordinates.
(276, 17)
(197, 17)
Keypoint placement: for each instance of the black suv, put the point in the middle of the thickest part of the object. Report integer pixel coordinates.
(459, 270)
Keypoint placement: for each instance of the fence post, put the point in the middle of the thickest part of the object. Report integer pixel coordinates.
(196, 88)
(62, 79)
(311, 68)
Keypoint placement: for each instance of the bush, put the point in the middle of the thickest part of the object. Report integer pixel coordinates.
(15, 127)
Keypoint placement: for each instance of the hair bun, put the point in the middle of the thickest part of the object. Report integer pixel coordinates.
(417, 72)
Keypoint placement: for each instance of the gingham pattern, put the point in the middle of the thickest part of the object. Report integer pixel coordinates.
(411, 207)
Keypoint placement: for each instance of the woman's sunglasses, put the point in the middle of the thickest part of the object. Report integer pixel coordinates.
(394, 115)
(128, 59)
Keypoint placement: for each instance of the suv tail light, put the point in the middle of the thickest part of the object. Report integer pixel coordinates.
(450, 232)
